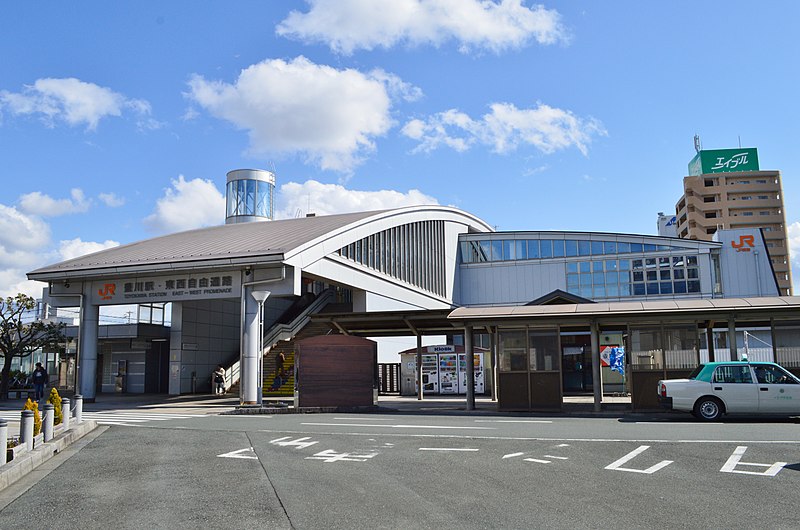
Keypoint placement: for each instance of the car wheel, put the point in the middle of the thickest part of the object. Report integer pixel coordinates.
(708, 409)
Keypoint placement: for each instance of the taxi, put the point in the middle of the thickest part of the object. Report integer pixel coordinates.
(733, 387)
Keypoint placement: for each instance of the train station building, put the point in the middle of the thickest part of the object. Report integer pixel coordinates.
(546, 306)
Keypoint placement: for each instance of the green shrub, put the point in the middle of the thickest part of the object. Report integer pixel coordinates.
(37, 418)
(55, 400)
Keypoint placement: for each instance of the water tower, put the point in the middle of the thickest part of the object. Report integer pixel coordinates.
(249, 196)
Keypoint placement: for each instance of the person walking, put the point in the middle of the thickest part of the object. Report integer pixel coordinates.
(39, 378)
(219, 380)
(280, 360)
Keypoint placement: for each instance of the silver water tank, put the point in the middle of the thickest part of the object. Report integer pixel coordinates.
(249, 196)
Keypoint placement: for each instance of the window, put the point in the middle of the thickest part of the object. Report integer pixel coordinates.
(584, 248)
(533, 249)
(512, 345)
(747, 214)
(544, 353)
(768, 374)
(558, 248)
(509, 248)
(763, 197)
(746, 198)
(545, 248)
(597, 248)
(521, 249)
(732, 374)
(763, 213)
(571, 248)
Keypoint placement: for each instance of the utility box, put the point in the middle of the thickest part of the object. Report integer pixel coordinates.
(336, 371)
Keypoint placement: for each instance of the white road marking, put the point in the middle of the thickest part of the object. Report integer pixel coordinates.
(300, 443)
(329, 455)
(246, 454)
(562, 445)
(396, 426)
(468, 449)
(512, 455)
(735, 460)
(513, 421)
(617, 465)
(364, 419)
(795, 442)
(557, 457)
(537, 461)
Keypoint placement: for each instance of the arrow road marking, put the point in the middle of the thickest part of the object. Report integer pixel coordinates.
(617, 465)
(735, 460)
(247, 454)
(286, 441)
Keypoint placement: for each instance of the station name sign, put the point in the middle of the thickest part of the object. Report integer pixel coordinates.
(724, 161)
(172, 288)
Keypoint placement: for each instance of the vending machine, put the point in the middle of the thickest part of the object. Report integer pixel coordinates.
(430, 375)
(448, 373)
(462, 373)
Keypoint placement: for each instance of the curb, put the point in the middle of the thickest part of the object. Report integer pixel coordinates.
(30, 460)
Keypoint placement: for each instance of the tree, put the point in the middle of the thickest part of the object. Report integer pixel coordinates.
(20, 336)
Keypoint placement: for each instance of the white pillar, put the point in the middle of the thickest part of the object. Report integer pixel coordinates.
(65, 412)
(87, 354)
(3, 440)
(49, 419)
(251, 354)
(26, 429)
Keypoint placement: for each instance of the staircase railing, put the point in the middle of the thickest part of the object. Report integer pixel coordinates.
(280, 332)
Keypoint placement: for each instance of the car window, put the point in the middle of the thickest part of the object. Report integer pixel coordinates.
(767, 374)
(732, 374)
(696, 371)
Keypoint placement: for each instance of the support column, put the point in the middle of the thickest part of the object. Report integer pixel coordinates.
(175, 349)
(493, 360)
(87, 355)
(419, 367)
(710, 341)
(470, 358)
(732, 339)
(251, 354)
(597, 384)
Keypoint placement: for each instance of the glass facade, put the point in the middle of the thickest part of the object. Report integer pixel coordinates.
(481, 251)
(598, 268)
(249, 197)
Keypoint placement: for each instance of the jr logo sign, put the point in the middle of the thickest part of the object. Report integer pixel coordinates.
(745, 243)
(107, 291)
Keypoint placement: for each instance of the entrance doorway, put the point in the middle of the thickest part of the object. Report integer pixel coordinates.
(576, 362)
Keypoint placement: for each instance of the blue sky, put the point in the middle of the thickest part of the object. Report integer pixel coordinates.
(118, 121)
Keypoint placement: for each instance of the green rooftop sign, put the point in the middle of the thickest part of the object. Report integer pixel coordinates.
(724, 161)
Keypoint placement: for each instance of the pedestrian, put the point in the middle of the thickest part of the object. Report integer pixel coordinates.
(280, 360)
(219, 380)
(40, 378)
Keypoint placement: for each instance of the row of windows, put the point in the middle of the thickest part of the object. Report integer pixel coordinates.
(480, 251)
(413, 253)
(651, 276)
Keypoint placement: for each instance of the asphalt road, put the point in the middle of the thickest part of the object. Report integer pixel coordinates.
(414, 471)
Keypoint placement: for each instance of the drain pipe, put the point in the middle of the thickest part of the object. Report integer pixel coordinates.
(251, 374)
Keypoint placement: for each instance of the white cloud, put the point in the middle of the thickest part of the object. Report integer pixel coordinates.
(74, 102)
(348, 25)
(186, 205)
(74, 248)
(326, 199)
(331, 116)
(23, 242)
(38, 203)
(504, 129)
(112, 200)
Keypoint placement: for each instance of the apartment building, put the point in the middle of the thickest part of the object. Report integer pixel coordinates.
(726, 189)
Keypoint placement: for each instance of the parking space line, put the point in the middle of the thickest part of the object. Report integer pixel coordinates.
(397, 426)
(513, 421)
(538, 461)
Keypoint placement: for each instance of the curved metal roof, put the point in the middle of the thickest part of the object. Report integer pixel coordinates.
(232, 244)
